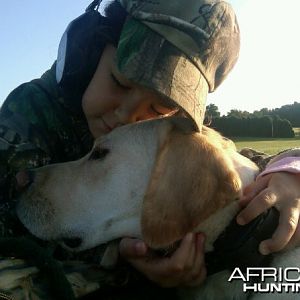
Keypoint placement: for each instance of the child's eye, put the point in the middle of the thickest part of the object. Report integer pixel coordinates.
(157, 111)
(163, 110)
(118, 83)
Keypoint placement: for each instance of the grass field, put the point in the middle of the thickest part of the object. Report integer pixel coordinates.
(270, 146)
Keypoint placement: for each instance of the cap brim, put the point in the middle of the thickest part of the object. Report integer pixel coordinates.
(147, 58)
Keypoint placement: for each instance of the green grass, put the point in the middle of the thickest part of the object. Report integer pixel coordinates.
(269, 145)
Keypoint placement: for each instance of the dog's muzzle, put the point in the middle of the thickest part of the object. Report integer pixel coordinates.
(72, 243)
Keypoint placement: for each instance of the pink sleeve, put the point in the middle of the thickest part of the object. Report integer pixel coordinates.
(287, 164)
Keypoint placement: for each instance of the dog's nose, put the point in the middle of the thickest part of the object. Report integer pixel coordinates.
(72, 242)
(24, 179)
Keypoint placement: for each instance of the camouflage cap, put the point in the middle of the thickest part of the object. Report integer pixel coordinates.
(181, 48)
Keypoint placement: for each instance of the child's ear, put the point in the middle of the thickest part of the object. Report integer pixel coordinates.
(191, 180)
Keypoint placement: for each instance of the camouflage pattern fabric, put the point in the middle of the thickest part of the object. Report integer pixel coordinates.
(206, 31)
(182, 49)
(21, 280)
(37, 127)
(261, 159)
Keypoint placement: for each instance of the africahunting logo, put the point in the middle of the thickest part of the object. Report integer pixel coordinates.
(268, 280)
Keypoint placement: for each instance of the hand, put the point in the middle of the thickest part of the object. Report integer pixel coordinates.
(281, 190)
(184, 268)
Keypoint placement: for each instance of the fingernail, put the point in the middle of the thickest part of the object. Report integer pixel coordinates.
(240, 220)
(189, 237)
(140, 248)
(263, 249)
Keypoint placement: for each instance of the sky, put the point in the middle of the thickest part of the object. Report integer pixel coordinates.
(266, 74)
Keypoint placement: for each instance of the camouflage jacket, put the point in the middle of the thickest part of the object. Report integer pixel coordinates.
(38, 126)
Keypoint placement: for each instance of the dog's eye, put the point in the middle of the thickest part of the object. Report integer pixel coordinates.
(98, 153)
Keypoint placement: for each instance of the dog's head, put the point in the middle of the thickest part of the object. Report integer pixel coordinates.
(155, 179)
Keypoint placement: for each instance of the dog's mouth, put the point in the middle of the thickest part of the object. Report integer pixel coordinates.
(71, 242)
(169, 250)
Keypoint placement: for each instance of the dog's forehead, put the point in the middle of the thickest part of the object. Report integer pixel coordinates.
(146, 133)
(144, 130)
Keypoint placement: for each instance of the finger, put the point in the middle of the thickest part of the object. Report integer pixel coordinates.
(194, 264)
(199, 270)
(167, 272)
(179, 260)
(191, 256)
(249, 188)
(254, 189)
(263, 201)
(288, 222)
(131, 248)
(295, 240)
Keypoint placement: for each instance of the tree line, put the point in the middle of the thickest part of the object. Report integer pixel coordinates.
(278, 122)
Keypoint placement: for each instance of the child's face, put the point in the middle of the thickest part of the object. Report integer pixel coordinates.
(111, 100)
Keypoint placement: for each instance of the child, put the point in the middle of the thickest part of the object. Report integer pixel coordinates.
(144, 60)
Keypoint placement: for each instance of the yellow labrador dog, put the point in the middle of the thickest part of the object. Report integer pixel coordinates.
(156, 180)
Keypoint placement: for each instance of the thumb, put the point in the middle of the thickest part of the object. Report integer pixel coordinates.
(254, 189)
(132, 248)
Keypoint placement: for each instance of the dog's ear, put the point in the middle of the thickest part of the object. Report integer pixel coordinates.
(191, 179)
(170, 124)
(184, 125)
